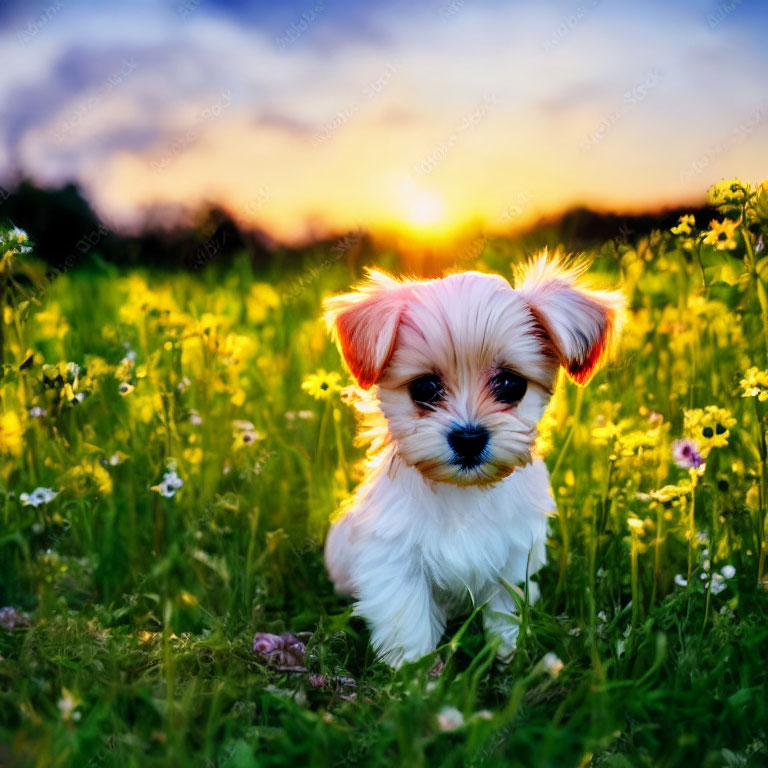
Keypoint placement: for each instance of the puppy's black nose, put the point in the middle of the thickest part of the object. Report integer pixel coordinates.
(468, 443)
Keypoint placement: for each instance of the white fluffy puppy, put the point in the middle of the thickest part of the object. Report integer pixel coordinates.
(453, 376)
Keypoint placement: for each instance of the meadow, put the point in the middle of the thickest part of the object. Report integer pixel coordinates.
(171, 449)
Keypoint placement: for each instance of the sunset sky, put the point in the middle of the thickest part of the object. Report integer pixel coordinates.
(319, 116)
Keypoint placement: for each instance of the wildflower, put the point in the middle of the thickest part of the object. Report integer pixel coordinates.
(285, 650)
(552, 663)
(37, 412)
(195, 419)
(11, 432)
(245, 433)
(118, 457)
(635, 525)
(77, 398)
(188, 598)
(194, 455)
(317, 681)
(717, 584)
(686, 454)
(322, 385)
(449, 719)
(168, 486)
(67, 705)
(685, 223)
(680, 580)
(728, 571)
(12, 242)
(125, 388)
(709, 427)
(728, 194)
(720, 234)
(670, 492)
(11, 617)
(755, 384)
(38, 496)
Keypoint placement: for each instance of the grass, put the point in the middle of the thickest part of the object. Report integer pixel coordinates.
(141, 610)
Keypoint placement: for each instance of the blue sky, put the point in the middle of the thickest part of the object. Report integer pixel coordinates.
(321, 115)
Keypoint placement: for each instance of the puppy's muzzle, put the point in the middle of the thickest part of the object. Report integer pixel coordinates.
(468, 445)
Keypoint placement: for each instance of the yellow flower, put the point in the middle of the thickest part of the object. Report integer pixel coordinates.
(709, 427)
(11, 433)
(755, 384)
(720, 234)
(322, 385)
(193, 455)
(88, 473)
(260, 300)
(245, 434)
(728, 193)
(670, 492)
(636, 525)
(685, 224)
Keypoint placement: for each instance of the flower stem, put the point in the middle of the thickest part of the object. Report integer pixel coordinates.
(692, 526)
(763, 487)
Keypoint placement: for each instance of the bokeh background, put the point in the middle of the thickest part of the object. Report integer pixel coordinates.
(306, 119)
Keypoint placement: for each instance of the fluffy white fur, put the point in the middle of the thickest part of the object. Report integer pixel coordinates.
(425, 536)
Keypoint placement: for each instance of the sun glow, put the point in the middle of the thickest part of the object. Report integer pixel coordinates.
(419, 207)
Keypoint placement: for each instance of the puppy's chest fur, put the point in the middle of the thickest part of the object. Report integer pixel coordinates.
(464, 539)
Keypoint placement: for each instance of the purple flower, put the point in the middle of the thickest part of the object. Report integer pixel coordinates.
(686, 454)
(11, 617)
(284, 650)
(317, 681)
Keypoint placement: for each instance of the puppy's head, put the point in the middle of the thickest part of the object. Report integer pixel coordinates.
(463, 366)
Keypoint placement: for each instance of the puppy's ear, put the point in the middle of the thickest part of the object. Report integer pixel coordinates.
(364, 324)
(581, 323)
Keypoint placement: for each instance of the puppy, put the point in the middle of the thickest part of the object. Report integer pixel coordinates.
(452, 377)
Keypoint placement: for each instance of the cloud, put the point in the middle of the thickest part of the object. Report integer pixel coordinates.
(478, 104)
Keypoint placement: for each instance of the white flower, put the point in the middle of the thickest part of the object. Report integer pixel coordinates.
(680, 580)
(37, 412)
(38, 496)
(552, 663)
(449, 719)
(195, 419)
(728, 571)
(717, 585)
(19, 235)
(168, 486)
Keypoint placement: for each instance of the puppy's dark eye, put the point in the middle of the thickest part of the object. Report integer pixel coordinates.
(508, 387)
(426, 390)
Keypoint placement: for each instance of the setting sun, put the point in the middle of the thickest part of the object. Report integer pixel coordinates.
(420, 207)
